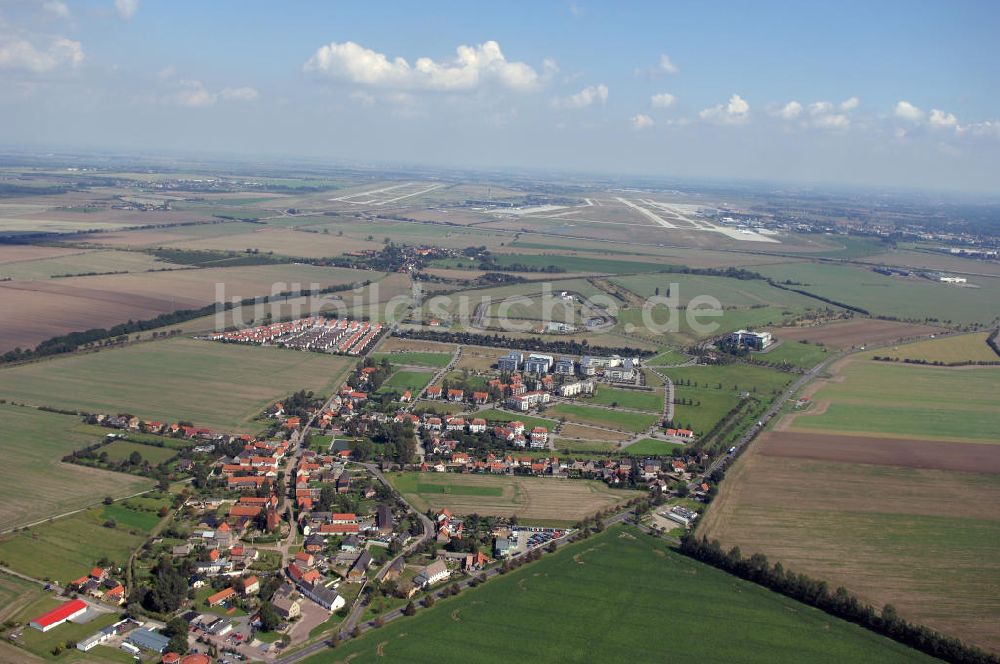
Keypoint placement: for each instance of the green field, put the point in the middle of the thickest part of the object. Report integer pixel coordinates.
(220, 386)
(907, 400)
(122, 449)
(912, 298)
(710, 402)
(578, 263)
(85, 262)
(502, 416)
(454, 490)
(583, 446)
(632, 320)
(128, 517)
(42, 643)
(795, 353)
(667, 358)
(34, 483)
(620, 592)
(653, 447)
(66, 548)
(423, 359)
(404, 380)
(728, 291)
(635, 399)
(603, 417)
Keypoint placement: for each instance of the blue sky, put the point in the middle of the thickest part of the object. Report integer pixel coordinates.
(875, 93)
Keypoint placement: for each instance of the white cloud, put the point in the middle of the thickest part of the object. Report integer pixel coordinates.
(790, 111)
(642, 121)
(662, 100)
(665, 65)
(473, 66)
(127, 8)
(832, 121)
(907, 111)
(850, 104)
(56, 8)
(239, 94)
(18, 53)
(736, 111)
(194, 94)
(939, 118)
(592, 94)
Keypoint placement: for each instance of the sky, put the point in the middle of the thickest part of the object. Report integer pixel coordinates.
(884, 93)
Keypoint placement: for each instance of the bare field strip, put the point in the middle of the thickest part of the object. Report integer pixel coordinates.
(17, 253)
(939, 455)
(927, 541)
(282, 241)
(856, 332)
(531, 498)
(39, 310)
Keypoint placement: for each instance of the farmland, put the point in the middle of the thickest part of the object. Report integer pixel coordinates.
(856, 332)
(927, 542)
(220, 386)
(535, 499)
(908, 298)
(66, 548)
(896, 400)
(34, 483)
(947, 350)
(43, 309)
(556, 610)
(715, 390)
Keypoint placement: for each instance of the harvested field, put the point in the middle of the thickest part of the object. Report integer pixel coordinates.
(393, 344)
(857, 332)
(84, 262)
(39, 310)
(940, 455)
(925, 540)
(530, 498)
(16, 253)
(947, 350)
(282, 241)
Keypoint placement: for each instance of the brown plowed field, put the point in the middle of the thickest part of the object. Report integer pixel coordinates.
(856, 332)
(940, 455)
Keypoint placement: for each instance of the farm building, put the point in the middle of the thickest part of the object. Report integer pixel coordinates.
(57, 616)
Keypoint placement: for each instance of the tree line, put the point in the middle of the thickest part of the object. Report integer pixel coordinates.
(561, 346)
(839, 603)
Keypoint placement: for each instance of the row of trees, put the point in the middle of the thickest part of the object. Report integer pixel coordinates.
(555, 346)
(839, 603)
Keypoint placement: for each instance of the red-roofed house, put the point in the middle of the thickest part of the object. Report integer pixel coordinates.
(220, 597)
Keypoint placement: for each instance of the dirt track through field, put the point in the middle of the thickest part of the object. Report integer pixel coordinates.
(939, 455)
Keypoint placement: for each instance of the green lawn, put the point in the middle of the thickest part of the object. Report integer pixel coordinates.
(407, 380)
(423, 359)
(667, 357)
(123, 449)
(903, 400)
(635, 399)
(728, 291)
(67, 548)
(220, 386)
(612, 419)
(620, 592)
(34, 483)
(653, 447)
(795, 353)
(130, 518)
(494, 416)
(712, 392)
(565, 445)
(458, 490)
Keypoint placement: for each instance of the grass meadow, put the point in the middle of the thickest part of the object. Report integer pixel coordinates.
(603, 417)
